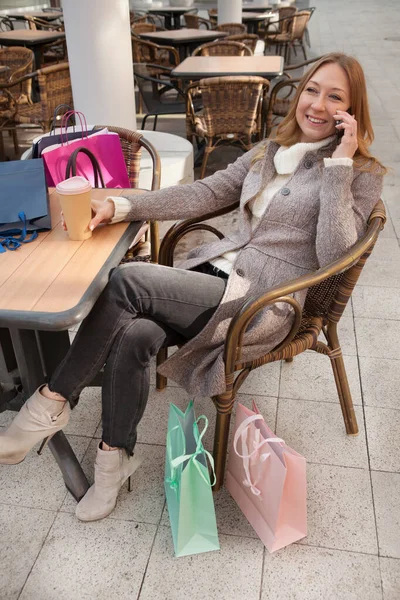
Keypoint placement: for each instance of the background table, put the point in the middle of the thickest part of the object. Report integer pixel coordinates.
(186, 40)
(32, 39)
(253, 19)
(47, 286)
(196, 67)
(172, 15)
(39, 14)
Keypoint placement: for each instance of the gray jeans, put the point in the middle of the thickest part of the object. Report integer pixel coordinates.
(143, 307)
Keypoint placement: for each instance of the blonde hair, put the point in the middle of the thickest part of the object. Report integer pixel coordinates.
(289, 132)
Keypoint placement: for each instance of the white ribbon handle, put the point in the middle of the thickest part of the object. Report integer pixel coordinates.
(241, 432)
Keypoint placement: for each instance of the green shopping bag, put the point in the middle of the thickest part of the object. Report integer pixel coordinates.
(187, 485)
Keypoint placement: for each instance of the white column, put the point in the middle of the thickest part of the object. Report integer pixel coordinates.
(100, 59)
(229, 11)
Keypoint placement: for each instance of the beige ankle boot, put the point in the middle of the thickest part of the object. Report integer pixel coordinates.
(111, 469)
(39, 419)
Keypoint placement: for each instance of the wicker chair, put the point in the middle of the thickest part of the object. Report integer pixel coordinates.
(329, 290)
(195, 22)
(132, 143)
(55, 88)
(148, 52)
(282, 95)
(20, 61)
(138, 28)
(161, 95)
(293, 35)
(6, 24)
(249, 39)
(213, 16)
(311, 10)
(223, 48)
(231, 114)
(232, 28)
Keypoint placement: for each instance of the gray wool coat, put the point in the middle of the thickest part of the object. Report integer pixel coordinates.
(313, 220)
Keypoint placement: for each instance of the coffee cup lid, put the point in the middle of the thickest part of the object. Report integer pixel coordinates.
(73, 185)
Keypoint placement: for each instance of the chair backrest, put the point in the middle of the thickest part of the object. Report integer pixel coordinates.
(285, 13)
(19, 60)
(132, 143)
(6, 24)
(55, 88)
(299, 24)
(231, 105)
(143, 28)
(329, 298)
(232, 28)
(223, 48)
(153, 81)
(193, 21)
(148, 52)
(249, 39)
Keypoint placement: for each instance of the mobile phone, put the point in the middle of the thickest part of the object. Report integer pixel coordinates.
(340, 132)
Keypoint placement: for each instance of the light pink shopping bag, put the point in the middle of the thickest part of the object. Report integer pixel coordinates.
(267, 479)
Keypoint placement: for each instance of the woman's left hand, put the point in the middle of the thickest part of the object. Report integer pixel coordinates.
(348, 142)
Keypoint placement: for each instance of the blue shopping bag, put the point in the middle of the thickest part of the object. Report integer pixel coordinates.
(24, 203)
(188, 486)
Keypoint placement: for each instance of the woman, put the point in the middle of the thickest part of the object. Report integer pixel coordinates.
(305, 198)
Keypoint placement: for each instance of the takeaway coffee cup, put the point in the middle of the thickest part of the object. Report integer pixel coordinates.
(75, 196)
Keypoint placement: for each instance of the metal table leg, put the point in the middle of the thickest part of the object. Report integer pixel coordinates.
(32, 365)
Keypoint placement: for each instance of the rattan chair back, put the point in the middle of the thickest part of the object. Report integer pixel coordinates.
(223, 48)
(249, 39)
(284, 13)
(148, 52)
(300, 21)
(232, 28)
(6, 24)
(231, 111)
(138, 28)
(19, 60)
(193, 21)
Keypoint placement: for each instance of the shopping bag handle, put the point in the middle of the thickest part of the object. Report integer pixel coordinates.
(241, 432)
(10, 242)
(55, 115)
(64, 124)
(71, 166)
(176, 462)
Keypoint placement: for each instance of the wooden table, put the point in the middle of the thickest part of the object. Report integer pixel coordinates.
(186, 40)
(47, 286)
(197, 67)
(35, 40)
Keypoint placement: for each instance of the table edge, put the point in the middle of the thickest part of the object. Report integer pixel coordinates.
(58, 321)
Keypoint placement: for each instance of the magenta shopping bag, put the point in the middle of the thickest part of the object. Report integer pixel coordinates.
(105, 146)
(268, 481)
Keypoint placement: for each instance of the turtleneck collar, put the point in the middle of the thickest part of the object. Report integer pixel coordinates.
(286, 159)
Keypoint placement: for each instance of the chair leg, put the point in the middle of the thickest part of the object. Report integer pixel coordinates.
(154, 241)
(220, 447)
(304, 49)
(207, 153)
(15, 140)
(155, 122)
(342, 384)
(289, 360)
(161, 381)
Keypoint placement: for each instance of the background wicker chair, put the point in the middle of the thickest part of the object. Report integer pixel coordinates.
(19, 60)
(232, 28)
(142, 27)
(282, 95)
(329, 290)
(231, 114)
(195, 22)
(223, 48)
(55, 88)
(161, 95)
(213, 16)
(249, 39)
(291, 36)
(132, 143)
(6, 24)
(148, 52)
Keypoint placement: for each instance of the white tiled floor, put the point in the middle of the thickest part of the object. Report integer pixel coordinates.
(352, 551)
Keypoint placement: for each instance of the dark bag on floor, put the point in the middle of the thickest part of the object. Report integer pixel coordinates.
(24, 203)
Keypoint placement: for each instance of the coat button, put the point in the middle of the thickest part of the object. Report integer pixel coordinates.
(240, 272)
(308, 164)
(285, 191)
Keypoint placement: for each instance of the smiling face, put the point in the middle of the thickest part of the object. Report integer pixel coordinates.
(327, 91)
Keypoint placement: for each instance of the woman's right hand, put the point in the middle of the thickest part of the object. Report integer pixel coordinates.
(103, 212)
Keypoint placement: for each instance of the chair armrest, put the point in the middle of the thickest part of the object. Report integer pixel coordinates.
(12, 83)
(181, 228)
(281, 293)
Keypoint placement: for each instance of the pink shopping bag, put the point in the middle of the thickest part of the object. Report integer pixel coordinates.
(267, 479)
(106, 147)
